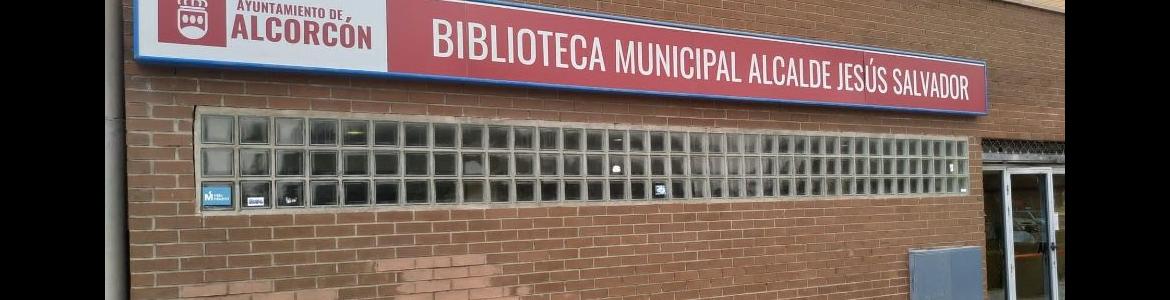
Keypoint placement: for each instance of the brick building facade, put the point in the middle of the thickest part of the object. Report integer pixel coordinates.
(811, 248)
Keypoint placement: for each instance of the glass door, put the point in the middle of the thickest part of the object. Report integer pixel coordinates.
(1031, 239)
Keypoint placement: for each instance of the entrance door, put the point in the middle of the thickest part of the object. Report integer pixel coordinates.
(1029, 232)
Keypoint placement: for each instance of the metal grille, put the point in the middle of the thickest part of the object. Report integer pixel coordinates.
(1023, 147)
(1023, 151)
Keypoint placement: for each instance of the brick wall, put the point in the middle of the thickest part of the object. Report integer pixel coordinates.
(827, 248)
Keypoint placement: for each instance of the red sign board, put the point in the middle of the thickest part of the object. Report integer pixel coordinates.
(507, 43)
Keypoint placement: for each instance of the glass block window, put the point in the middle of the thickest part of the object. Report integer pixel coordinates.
(266, 159)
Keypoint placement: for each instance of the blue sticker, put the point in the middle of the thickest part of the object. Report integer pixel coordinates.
(217, 195)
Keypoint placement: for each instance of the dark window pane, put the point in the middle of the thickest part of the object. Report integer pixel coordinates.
(831, 166)
(594, 165)
(734, 166)
(472, 136)
(522, 137)
(751, 143)
(818, 186)
(356, 133)
(715, 165)
(472, 191)
(715, 143)
(416, 163)
(256, 194)
(816, 166)
(385, 133)
(445, 191)
(697, 188)
(638, 165)
(525, 191)
(617, 165)
(572, 190)
(290, 193)
(386, 192)
(801, 166)
(572, 165)
(698, 163)
(769, 143)
(845, 145)
(678, 165)
(324, 162)
(548, 191)
(816, 145)
(769, 166)
(596, 190)
(800, 143)
(617, 140)
(902, 145)
(678, 189)
(218, 129)
(498, 137)
(356, 163)
(253, 162)
(415, 134)
(785, 187)
(417, 192)
(658, 165)
(445, 135)
(548, 164)
(357, 193)
(594, 140)
(733, 188)
(657, 141)
(801, 187)
(253, 130)
(548, 138)
(659, 190)
(472, 164)
(638, 189)
(290, 162)
(859, 164)
(617, 190)
(324, 192)
(784, 144)
(733, 143)
(323, 132)
(751, 166)
(217, 162)
(572, 140)
(769, 187)
(678, 142)
(785, 165)
(386, 163)
(290, 131)
(697, 142)
(753, 188)
(444, 165)
(637, 140)
(524, 163)
(498, 163)
(716, 190)
(500, 191)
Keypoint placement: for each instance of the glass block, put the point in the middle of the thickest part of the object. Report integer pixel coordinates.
(471, 136)
(323, 163)
(323, 132)
(218, 129)
(217, 161)
(355, 163)
(473, 191)
(355, 133)
(253, 130)
(386, 163)
(445, 191)
(386, 192)
(417, 192)
(445, 135)
(290, 131)
(290, 193)
(522, 138)
(414, 134)
(386, 133)
(324, 193)
(445, 163)
(356, 192)
(417, 163)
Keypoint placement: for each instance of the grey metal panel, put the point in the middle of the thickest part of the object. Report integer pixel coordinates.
(946, 273)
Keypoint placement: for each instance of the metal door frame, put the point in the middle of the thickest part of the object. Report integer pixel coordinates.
(1050, 211)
